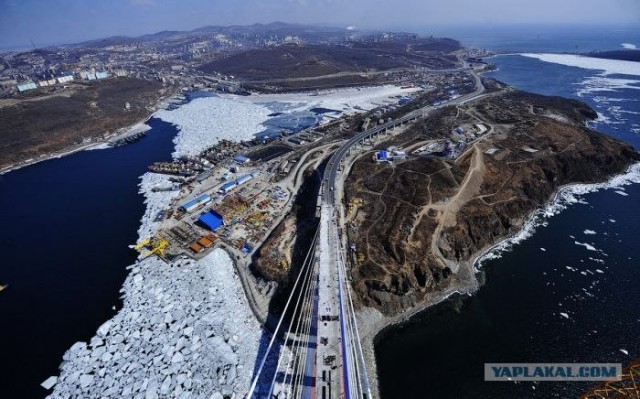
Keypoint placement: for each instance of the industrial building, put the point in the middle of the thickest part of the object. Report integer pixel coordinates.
(65, 79)
(227, 187)
(382, 155)
(196, 203)
(26, 86)
(232, 184)
(211, 220)
(244, 179)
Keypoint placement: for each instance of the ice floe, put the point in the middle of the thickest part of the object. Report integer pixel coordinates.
(589, 232)
(621, 193)
(629, 46)
(609, 67)
(349, 100)
(603, 83)
(587, 246)
(185, 329)
(626, 352)
(566, 316)
(203, 122)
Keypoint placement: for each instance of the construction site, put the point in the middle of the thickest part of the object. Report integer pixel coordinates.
(237, 212)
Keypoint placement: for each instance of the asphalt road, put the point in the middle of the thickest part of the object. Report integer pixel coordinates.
(331, 173)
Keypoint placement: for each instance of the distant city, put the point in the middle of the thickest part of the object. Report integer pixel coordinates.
(173, 58)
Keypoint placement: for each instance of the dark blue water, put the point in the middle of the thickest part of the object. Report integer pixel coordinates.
(515, 316)
(66, 227)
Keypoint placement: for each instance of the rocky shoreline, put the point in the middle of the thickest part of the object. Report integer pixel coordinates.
(373, 324)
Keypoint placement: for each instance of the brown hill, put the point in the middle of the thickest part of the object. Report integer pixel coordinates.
(422, 221)
(299, 61)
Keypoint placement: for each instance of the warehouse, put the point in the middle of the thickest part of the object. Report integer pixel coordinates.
(227, 187)
(244, 179)
(196, 203)
(211, 220)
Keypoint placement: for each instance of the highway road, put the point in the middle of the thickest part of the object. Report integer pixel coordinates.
(332, 362)
(333, 167)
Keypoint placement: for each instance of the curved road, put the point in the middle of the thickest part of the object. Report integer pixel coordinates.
(331, 173)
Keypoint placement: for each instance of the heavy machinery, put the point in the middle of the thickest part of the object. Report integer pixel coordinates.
(152, 245)
(256, 219)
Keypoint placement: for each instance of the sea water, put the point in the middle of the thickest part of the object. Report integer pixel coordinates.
(568, 293)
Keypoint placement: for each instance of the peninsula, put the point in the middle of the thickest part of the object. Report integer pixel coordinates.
(378, 166)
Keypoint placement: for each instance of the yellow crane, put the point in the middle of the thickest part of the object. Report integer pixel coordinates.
(152, 245)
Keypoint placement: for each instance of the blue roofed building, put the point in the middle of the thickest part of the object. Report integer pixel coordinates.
(382, 155)
(227, 187)
(211, 220)
(196, 203)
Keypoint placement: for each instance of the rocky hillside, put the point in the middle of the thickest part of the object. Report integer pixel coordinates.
(417, 225)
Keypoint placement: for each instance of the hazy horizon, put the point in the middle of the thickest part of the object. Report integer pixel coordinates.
(72, 21)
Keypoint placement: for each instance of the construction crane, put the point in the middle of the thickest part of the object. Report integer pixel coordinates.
(152, 245)
(627, 388)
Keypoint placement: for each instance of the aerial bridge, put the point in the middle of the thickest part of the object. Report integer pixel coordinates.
(321, 354)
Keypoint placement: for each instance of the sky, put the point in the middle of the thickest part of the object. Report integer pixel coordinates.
(47, 22)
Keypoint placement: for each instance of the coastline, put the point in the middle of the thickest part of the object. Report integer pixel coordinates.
(174, 316)
(177, 310)
(94, 145)
(376, 324)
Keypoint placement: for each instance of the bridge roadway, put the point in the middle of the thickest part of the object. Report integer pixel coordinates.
(332, 356)
(345, 377)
